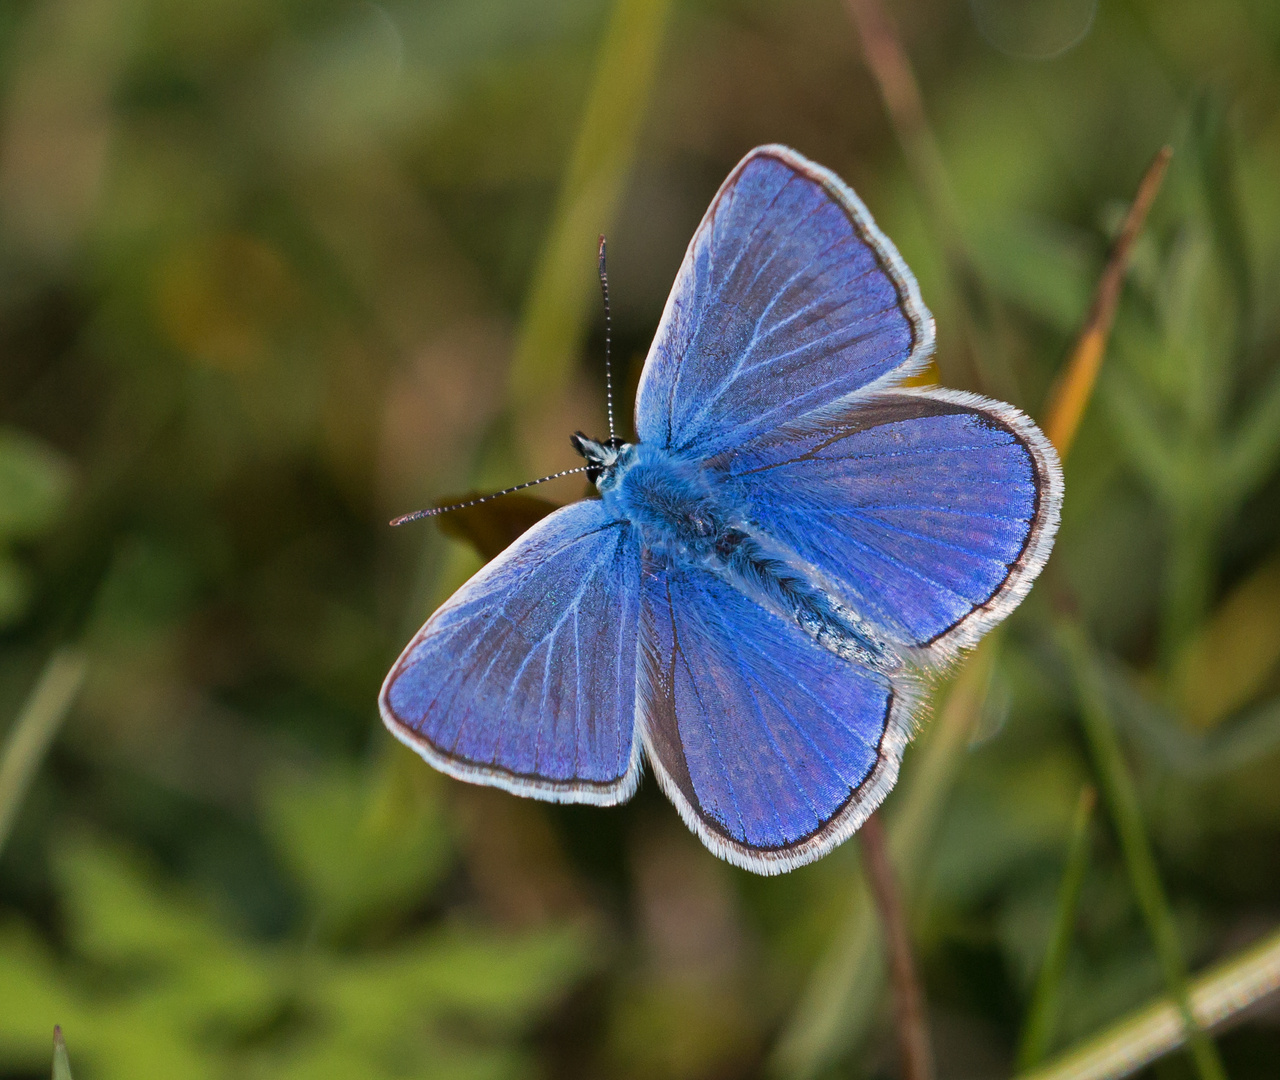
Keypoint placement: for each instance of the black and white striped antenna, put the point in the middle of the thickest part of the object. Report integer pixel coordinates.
(436, 510)
(608, 332)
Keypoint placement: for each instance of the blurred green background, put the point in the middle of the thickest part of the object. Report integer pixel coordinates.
(272, 271)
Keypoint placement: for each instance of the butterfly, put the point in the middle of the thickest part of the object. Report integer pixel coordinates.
(792, 540)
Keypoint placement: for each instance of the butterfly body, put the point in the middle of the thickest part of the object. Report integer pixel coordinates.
(686, 515)
(792, 537)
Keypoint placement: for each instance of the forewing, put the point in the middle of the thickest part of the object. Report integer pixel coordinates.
(929, 511)
(773, 749)
(789, 299)
(525, 678)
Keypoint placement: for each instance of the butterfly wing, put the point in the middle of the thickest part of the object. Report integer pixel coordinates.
(929, 511)
(789, 298)
(773, 749)
(525, 678)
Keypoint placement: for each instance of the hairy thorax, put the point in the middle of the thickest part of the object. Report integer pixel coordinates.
(683, 518)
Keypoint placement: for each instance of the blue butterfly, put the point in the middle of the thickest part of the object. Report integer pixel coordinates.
(794, 536)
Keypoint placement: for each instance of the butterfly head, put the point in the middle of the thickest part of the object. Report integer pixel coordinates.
(601, 457)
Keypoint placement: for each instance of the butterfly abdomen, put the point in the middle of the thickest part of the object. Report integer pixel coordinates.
(759, 569)
(683, 519)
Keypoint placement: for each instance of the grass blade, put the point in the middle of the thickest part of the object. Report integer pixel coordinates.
(61, 1065)
(1213, 144)
(1250, 454)
(564, 280)
(1153, 1031)
(1043, 1014)
(1076, 386)
(1122, 800)
(41, 716)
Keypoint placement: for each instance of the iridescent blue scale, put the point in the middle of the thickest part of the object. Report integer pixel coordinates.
(792, 538)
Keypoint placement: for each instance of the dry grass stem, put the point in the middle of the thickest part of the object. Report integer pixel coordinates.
(1075, 387)
(908, 998)
(1216, 997)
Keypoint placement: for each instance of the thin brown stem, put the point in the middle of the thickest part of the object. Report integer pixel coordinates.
(1073, 391)
(982, 320)
(891, 68)
(908, 999)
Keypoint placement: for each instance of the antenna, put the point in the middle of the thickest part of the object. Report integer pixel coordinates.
(608, 330)
(436, 510)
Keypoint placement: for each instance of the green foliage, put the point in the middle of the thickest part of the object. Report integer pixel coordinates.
(1037, 1031)
(1201, 437)
(361, 843)
(154, 981)
(35, 483)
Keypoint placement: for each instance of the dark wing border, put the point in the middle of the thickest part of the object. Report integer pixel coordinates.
(1041, 531)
